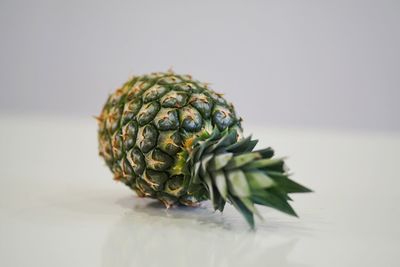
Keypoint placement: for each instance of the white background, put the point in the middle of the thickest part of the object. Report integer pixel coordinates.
(329, 64)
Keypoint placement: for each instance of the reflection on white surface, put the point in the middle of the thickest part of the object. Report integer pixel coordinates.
(149, 234)
(60, 207)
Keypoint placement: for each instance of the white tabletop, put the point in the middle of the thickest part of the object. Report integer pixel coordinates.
(60, 207)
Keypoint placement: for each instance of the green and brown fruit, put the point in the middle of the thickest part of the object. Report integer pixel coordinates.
(171, 138)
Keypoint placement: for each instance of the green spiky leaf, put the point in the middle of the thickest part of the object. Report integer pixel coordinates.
(249, 204)
(242, 160)
(264, 163)
(239, 146)
(259, 180)
(221, 184)
(267, 198)
(238, 184)
(266, 152)
(247, 214)
(220, 161)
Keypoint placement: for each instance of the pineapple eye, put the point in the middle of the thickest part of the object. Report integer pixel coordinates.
(129, 132)
(118, 174)
(174, 99)
(167, 119)
(184, 87)
(105, 150)
(170, 142)
(169, 80)
(158, 160)
(174, 185)
(202, 104)
(131, 108)
(144, 188)
(155, 179)
(147, 138)
(116, 144)
(154, 93)
(147, 113)
(127, 169)
(136, 159)
(222, 117)
(191, 119)
(112, 119)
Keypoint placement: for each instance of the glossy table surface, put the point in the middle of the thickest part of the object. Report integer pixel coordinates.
(60, 207)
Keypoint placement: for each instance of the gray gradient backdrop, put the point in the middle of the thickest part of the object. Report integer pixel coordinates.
(329, 64)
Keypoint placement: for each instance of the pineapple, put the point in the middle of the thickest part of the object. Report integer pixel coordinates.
(171, 138)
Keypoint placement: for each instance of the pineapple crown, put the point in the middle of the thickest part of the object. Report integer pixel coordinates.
(232, 171)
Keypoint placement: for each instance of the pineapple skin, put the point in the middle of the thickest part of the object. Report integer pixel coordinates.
(147, 128)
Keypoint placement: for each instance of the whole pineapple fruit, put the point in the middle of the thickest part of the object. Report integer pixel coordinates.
(170, 137)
